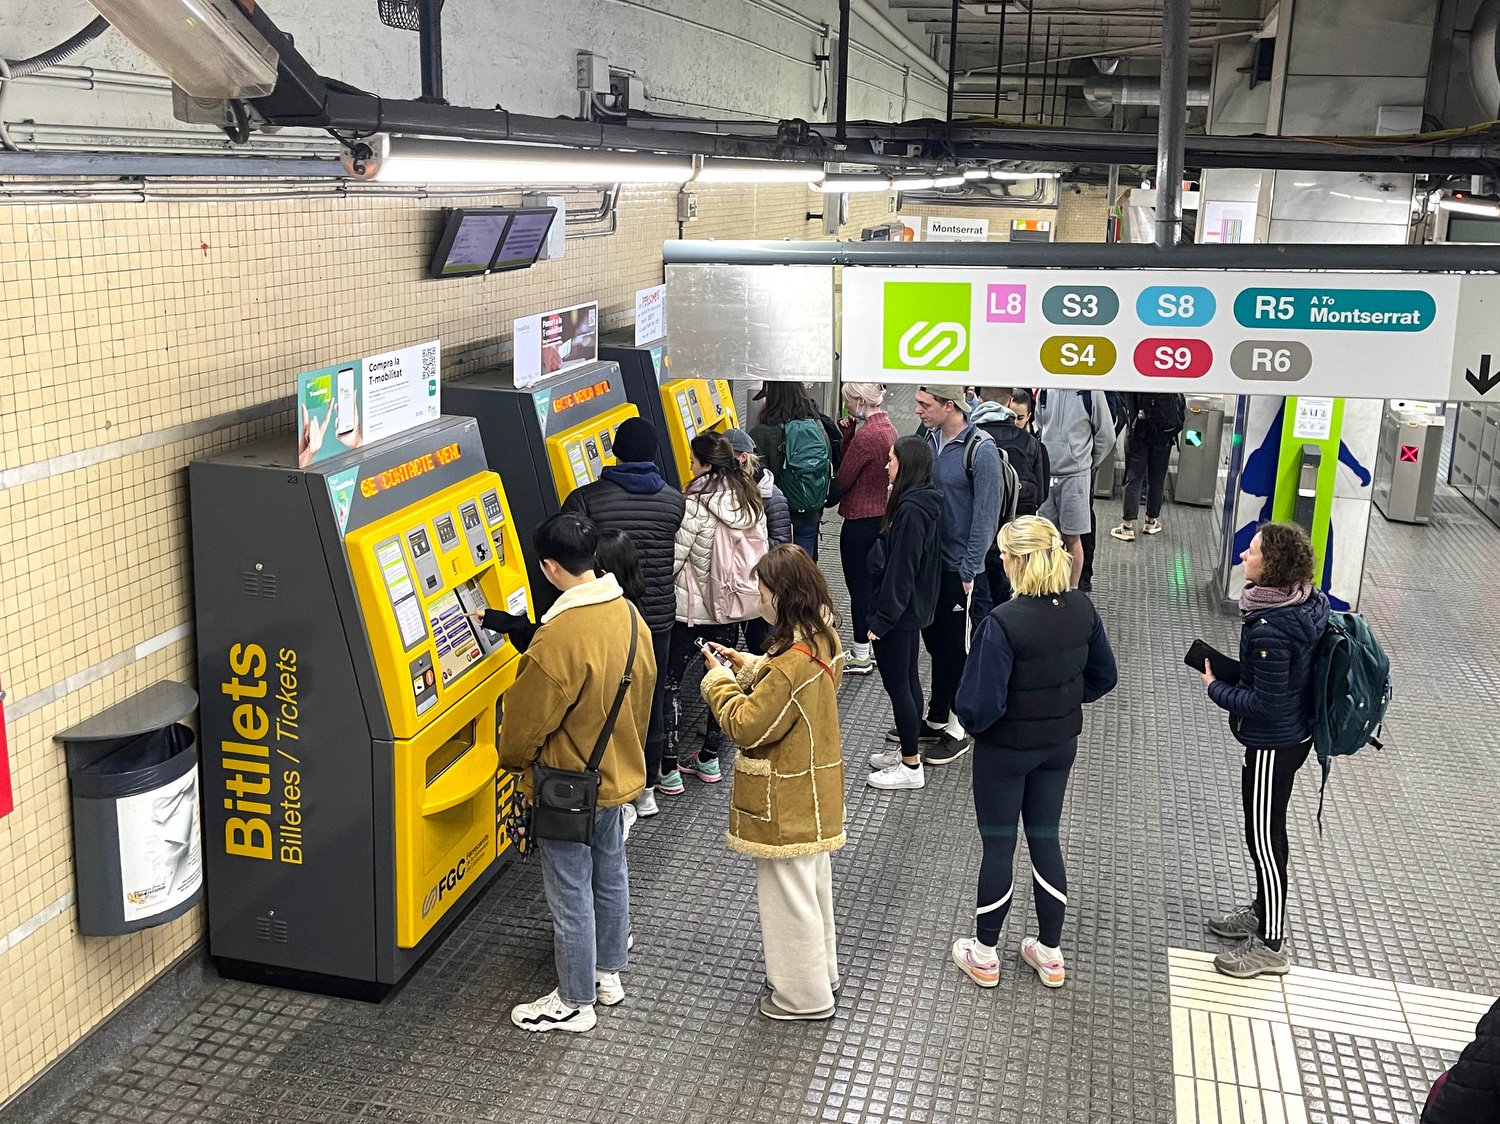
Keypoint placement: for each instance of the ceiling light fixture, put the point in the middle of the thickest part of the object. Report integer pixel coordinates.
(1488, 210)
(418, 161)
(837, 184)
(207, 47)
(976, 173)
(722, 170)
(913, 183)
(1018, 177)
(949, 181)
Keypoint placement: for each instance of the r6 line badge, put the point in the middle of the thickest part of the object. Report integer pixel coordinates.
(927, 326)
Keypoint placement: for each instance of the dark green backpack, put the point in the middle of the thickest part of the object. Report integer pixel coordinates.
(807, 466)
(1352, 689)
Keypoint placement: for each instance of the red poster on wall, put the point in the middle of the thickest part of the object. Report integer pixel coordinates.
(6, 802)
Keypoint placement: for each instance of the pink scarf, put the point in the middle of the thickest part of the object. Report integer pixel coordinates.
(1258, 598)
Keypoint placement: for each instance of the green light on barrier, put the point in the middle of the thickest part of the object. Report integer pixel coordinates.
(1236, 438)
(1193, 438)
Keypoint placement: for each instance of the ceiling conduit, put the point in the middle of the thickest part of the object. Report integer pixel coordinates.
(1103, 94)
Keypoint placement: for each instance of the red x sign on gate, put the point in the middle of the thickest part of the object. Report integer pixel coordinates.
(1409, 454)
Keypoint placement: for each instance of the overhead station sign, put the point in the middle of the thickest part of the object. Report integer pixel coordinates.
(1350, 335)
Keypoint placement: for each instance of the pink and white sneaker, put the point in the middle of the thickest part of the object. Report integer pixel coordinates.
(1049, 968)
(976, 961)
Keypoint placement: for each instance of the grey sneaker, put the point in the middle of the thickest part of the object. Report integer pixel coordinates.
(946, 749)
(773, 1010)
(1251, 959)
(1235, 926)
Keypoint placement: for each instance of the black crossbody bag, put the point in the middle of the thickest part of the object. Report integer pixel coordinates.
(564, 800)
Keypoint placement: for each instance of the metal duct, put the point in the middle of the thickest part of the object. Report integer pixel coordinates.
(1484, 57)
(1103, 94)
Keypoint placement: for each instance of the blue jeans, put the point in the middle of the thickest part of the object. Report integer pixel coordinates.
(805, 526)
(588, 892)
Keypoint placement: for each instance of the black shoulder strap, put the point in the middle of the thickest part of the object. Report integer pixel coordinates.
(614, 710)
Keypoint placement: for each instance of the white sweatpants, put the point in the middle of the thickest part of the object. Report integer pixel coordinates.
(796, 927)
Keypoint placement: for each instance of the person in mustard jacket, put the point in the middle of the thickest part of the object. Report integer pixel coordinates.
(787, 807)
(566, 683)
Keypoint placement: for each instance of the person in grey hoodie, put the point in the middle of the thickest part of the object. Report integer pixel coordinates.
(1077, 429)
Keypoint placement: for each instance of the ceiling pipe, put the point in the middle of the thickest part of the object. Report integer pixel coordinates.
(1135, 49)
(1103, 94)
(1484, 57)
(888, 30)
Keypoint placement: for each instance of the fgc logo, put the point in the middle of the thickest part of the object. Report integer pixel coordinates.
(927, 325)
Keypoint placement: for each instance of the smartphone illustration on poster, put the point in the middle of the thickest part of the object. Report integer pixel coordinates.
(345, 403)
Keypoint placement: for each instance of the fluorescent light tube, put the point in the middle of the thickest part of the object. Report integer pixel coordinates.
(976, 173)
(949, 181)
(851, 184)
(1018, 177)
(913, 183)
(207, 47)
(725, 170)
(1469, 207)
(417, 161)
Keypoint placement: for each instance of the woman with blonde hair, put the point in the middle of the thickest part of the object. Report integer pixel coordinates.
(787, 808)
(862, 483)
(1034, 662)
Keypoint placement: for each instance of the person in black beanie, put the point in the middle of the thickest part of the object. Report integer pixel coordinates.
(632, 496)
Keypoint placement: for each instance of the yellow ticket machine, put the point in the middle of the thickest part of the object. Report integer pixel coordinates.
(545, 440)
(679, 409)
(351, 807)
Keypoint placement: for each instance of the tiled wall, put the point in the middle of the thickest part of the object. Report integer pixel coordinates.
(1078, 216)
(139, 337)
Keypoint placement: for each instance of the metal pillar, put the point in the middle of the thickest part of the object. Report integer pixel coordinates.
(1172, 121)
(952, 58)
(1026, 96)
(842, 132)
(432, 50)
(1000, 55)
(1111, 231)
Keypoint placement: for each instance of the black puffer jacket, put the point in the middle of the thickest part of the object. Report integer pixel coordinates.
(1271, 707)
(1471, 1091)
(632, 497)
(778, 514)
(906, 564)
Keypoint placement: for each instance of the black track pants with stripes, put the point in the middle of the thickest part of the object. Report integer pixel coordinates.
(1267, 788)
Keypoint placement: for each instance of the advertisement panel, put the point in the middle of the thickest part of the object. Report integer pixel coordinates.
(553, 342)
(354, 404)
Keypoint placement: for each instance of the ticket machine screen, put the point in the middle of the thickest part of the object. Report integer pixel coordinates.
(457, 643)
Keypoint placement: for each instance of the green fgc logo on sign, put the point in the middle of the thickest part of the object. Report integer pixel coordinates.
(927, 325)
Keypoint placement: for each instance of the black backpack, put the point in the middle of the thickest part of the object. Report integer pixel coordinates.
(1159, 415)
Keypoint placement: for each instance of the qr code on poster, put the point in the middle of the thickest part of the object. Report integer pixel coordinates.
(430, 361)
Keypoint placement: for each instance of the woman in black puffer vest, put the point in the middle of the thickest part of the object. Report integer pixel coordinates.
(1469, 1093)
(1271, 714)
(632, 496)
(1034, 662)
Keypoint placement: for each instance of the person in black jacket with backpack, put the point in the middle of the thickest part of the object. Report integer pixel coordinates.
(1024, 454)
(1152, 423)
(631, 495)
(1035, 662)
(1469, 1093)
(906, 570)
(1271, 709)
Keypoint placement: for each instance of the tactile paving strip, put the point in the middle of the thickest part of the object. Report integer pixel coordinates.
(1400, 886)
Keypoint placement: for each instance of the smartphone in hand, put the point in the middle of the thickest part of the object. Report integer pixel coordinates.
(708, 650)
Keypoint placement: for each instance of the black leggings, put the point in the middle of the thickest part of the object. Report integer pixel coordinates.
(683, 649)
(947, 640)
(1028, 785)
(856, 539)
(1266, 784)
(656, 732)
(896, 657)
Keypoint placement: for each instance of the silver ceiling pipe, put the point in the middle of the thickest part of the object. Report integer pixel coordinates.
(1484, 57)
(1104, 94)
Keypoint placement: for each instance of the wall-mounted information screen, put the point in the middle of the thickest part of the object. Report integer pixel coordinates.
(491, 240)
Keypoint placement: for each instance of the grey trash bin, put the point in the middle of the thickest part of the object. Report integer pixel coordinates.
(137, 849)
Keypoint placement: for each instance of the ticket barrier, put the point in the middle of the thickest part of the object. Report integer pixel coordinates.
(351, 803)
(1406, 462)
(679, 409)
(544, 441)
(1198, 446)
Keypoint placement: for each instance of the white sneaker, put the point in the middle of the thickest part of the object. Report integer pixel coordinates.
(629, 815)
(608, 989)
(645, 804)
(885, 758)
(1049, 967)
(896, 777)
(551, 1013)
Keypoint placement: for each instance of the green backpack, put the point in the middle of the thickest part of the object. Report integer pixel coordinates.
(807, 467)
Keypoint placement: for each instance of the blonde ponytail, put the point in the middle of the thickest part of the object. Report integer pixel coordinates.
(1036, 561)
